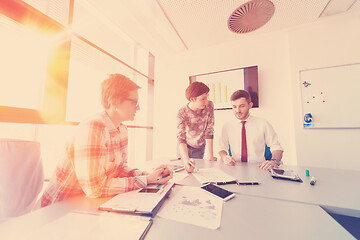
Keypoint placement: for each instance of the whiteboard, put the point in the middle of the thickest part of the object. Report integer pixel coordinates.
(332, 96)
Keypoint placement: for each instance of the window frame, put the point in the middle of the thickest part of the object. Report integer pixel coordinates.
(54, 108)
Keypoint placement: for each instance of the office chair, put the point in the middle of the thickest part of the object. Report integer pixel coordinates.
(267, 154)
(21, 176)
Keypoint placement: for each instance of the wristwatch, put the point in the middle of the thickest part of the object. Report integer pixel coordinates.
(277, 161)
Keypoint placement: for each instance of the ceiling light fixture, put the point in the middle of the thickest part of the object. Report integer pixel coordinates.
(337, 6)
(251, 16)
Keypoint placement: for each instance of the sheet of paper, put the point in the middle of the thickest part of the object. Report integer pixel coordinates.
(192, 205)
(179, 176)
(206, 175)
(92, 226)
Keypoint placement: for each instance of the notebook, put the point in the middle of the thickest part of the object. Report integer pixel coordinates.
(93, 225)
(213, 175)
(145, 201)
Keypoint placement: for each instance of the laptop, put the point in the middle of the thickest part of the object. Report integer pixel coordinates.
(145, 201)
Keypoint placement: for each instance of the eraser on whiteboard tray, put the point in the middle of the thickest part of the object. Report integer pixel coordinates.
(312, 181)
(307, 118)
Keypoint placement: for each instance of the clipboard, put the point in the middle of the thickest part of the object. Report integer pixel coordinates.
(145, 203)
(283, 174)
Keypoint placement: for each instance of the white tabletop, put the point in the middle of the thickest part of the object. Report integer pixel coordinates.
(275, 209)
(243, 217)
(335, 190)
(247, 217)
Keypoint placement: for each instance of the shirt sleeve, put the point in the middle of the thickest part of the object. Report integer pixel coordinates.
(209, 131)
(224, 140)
(90, 160)
(271, 138)
(181, 126)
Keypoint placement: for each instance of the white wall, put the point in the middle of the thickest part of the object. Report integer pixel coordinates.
(280, 55)
(333, 41)
(269, 52)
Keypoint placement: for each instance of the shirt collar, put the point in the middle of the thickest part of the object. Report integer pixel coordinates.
(113, 130)
(246, 120)
(202, 110)
(190, 110)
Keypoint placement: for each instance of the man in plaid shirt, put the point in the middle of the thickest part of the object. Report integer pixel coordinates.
(95, 163)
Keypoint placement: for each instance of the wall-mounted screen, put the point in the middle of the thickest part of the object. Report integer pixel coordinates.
(223, 83)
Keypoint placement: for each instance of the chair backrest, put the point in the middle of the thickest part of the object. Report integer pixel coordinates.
(267, 154)
(21, 176)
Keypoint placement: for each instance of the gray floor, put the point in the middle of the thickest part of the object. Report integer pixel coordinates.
(351, 224)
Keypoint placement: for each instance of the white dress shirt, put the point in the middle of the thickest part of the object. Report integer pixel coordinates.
(258, 133)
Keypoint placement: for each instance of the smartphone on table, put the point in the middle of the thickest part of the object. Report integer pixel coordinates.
(218, 191)
(149, 190)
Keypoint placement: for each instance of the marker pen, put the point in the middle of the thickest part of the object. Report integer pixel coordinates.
(248, 183)
(178, 168)
(312, 181)
(193, 164)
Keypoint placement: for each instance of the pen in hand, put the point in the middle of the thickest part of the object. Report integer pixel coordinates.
(166, 175)
(193, 165)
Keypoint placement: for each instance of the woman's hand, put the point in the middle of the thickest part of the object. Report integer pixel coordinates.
(189, 165)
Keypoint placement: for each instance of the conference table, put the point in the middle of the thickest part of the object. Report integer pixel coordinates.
(275, 209)
(336, 191)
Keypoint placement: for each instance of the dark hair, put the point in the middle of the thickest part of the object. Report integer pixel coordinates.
(196, 89)
(240, 94)
(116, 87)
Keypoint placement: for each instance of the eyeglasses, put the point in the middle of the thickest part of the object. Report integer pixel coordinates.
(133, 101)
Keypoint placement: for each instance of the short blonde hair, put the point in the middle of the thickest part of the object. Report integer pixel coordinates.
(116, 87)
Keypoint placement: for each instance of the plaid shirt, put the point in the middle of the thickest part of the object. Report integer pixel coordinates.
(193, 128)
(95, 164)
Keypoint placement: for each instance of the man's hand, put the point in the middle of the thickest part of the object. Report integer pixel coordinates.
(228, 160)
(266, 165)
(157, 175)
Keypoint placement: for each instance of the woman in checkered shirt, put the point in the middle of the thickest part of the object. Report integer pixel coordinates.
(195, 126)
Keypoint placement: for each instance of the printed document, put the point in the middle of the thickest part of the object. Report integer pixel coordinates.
(192, 205)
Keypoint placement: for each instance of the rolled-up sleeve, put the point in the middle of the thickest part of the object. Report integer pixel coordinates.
(209, 131)
(224, 139)
(271, 138)
(181, 126)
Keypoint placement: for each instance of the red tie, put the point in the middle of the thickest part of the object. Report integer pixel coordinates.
(243, 143)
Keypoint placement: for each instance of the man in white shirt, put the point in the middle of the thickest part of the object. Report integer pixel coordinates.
(246, 137)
